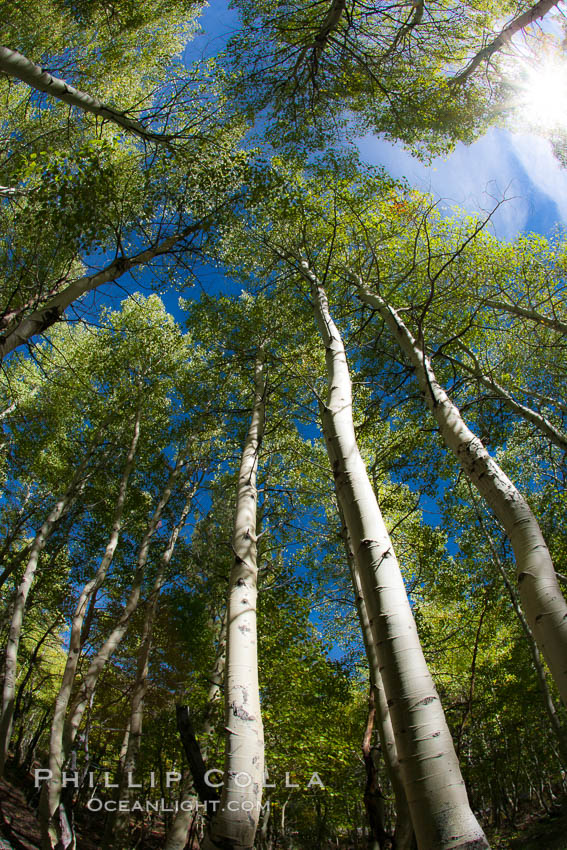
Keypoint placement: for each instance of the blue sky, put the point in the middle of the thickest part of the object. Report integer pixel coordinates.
(519, 167)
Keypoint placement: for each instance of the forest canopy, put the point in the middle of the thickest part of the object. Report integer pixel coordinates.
(282, 526)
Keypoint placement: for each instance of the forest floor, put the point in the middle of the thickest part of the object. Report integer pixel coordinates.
(18, 823)
(19, 827)
(534, 832)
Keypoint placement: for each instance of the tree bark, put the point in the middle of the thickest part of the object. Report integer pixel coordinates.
(317, 46)
(534, 651)
(404, 833)
(176, 837)
(42, 319)
(435, 790)
(524, 313)
(330, 23)
(373, 796)
(15, 65)
(542, 600)
(234, 825)
(51, 794)
(31, 665)
(38, 545)
(100, 659)
(21, 518)
(30, 749)
(557, 437)
(116, 832)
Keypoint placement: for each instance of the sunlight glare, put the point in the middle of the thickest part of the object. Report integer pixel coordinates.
(544, 95)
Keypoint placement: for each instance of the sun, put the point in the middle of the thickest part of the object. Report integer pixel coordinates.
(543, 96)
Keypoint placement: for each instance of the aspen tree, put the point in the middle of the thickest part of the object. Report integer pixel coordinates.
(38, 321)
(116, 832)
(403, 835)
(554, 321)
(435, 790)
(235, 822)
(101, 657)
(11, 660)
(541, 422)
(549, 704)
(176, 838)
(14, 64)
(542, 599)
(392, 66)
(77, 636)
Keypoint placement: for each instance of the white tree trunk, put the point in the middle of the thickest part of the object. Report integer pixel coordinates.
(557, 437)
(51, 794)
(38, 545)
(116, 832)
(527, 313)
(98, 662)
(234, 824)
(548, 701)
(176, 838)
(435, 790)
(316, 47)
(40, 320)
(404, 829)
(16, 65)
(330, 23)
(542, 600)
(537, 11)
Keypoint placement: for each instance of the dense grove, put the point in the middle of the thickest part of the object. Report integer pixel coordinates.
(282, 527)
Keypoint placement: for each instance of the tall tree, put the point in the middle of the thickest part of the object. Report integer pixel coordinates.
(235, 822)
(541, 595)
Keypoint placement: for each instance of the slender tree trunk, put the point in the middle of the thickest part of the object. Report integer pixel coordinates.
(15, 65)
(51, 794)
(469, 705)
(113, 640)
(264, 832)
(216, 677)
(542, 600)
(118, 823)
(17, 557)
(41, 319)
(31, 665)
(404, 830)
(373, 797)
(30, 749)
(11, 661)
(100, 659)
(435, 790)
(534, 651)
(283, 820)
(527, 313)
(538, 11)
(330, 23)
(176, 837)
(316, 47)
(234, 825)
(554, 434)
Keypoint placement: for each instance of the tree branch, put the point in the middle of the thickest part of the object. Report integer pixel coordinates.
(14, 64)
(504, 37)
